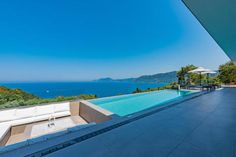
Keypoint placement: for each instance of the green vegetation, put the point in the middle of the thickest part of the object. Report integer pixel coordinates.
(227, 73)
(16, 97)
(173, 85)
(185, 78)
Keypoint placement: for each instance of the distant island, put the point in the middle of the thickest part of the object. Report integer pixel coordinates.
(167, 77)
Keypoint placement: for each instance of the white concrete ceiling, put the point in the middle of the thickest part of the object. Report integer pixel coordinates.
(218, 17)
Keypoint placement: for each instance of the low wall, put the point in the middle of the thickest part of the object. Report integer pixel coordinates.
(5, 138)
(93, 113)
(18, 129)
(74, 108)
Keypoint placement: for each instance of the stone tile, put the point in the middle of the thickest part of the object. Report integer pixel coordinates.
(225, 113)
(216, 141)
(235, 150)
(156, 142)
(89, 148)
(188, 150)
(181, 129)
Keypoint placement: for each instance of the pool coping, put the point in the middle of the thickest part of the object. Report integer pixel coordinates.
(98, 129)
(107, 97)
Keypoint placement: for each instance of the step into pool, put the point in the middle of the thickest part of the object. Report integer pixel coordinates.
(128, 104)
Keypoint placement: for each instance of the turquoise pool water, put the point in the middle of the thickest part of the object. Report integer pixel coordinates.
(128, 104)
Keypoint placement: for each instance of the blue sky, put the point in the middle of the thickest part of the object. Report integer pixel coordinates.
(73, 40)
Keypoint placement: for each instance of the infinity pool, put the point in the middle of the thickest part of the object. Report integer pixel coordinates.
(128, 104)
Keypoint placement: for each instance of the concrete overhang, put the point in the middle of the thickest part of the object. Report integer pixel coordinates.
(218, 17)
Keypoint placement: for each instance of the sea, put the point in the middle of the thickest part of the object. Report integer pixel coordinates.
(101, 89)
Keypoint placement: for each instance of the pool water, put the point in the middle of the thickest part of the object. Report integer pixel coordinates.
(129, 104)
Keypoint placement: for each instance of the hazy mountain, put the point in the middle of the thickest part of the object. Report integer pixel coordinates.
(156, 78)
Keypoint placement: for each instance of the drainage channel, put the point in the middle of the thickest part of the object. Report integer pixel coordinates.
(63, 145)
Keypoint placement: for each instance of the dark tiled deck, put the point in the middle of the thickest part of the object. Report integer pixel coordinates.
(204, 126)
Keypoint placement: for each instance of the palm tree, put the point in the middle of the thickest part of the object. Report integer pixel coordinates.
(183, 77)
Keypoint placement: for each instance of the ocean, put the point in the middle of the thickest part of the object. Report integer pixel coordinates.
(101, 89)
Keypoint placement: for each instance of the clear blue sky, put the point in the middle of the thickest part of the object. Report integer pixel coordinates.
(74, 40)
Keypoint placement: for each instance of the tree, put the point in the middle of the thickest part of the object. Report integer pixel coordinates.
(138, 90)
(227, 73)
(181, 74)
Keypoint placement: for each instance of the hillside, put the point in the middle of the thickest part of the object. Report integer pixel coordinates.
(8, 95)
(15, 97)
(168, 77)
(160, 78)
